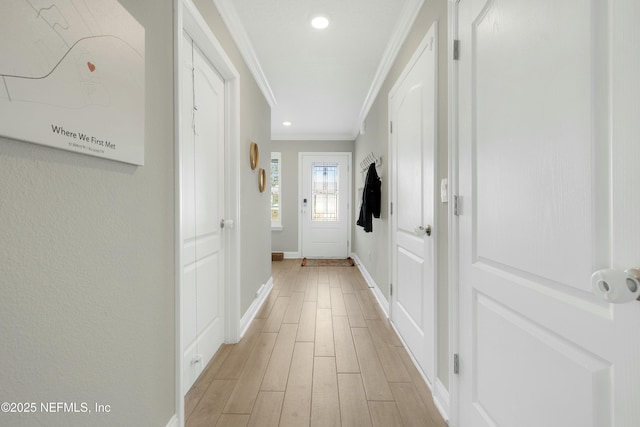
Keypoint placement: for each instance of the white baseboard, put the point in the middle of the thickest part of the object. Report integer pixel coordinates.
(173, 422)
(291, 255)
(382, 301)
(248, 317)
(441, 399)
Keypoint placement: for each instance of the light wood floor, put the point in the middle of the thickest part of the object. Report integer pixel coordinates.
(319, 353)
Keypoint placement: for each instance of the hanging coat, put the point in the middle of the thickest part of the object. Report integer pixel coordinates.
(370, 207)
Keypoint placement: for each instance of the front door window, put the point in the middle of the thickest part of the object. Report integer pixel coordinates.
(324, 187)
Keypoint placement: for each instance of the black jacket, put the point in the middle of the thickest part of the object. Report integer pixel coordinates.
(370, 199)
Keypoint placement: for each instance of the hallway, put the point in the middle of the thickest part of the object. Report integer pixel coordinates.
(320, 352)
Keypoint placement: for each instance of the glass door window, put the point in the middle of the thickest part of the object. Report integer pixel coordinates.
(324, 188)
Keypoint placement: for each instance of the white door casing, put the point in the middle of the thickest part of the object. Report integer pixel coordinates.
(413, 113)
(188, 20)
(203, 195)
(547, 157)
(325, 215)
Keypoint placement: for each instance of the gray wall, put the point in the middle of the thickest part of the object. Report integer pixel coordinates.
(87, 266)
(286, 240)
(372, 248)
(255, 125)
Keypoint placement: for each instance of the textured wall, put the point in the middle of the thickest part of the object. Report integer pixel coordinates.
(286, 240)
(86, 266)
(373, 248)
(255, 125)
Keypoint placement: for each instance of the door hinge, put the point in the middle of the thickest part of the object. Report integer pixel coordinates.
(456, 364)
(456, 212)
(390, 127)
(391, 208)
(456, 50)
(390, 288)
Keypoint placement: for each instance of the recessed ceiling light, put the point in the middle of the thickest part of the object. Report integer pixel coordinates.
(286, 123)
(320, 22)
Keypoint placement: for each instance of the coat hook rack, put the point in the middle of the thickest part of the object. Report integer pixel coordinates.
(368, 160)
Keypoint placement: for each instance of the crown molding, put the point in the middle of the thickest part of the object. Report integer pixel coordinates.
(312, 137)
(403, 26)
(238, 33)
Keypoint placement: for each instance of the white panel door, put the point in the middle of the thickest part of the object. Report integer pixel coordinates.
(326, 186)
(548, 186)
(412, 110)
(202, 182)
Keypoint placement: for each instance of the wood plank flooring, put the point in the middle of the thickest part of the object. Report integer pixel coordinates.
(320, 352)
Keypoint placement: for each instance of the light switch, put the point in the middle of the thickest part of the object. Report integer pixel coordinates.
(444, 190)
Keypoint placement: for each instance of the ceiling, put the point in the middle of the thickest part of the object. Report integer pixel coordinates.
(322, 81)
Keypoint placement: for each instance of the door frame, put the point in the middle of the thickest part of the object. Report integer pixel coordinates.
(436, 217)
(349, 193)
(454, 251)
(187, 19)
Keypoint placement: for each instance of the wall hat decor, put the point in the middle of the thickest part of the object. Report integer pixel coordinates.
(262, 180)
(253, 155)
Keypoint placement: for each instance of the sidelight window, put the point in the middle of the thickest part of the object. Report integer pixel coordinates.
(276, 201)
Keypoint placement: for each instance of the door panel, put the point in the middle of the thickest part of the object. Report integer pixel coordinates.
(202, 206)
(409, 153)
(412, 109)
(573, 378)
(536, 346)
(410, 296)
(326, 186)
(530, 194)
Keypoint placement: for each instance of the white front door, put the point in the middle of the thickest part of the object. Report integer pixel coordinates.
(202, 206)
(325, 213)
(548, 194)
(412, 110)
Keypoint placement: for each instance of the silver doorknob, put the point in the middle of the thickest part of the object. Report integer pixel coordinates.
(421, 230)
(226, 223)
(617, 286)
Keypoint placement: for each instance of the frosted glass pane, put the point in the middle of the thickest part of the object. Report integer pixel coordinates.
(324, 188)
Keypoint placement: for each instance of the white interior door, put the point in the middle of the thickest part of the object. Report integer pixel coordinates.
(548, 186)
(412, 109)
(202, 188)
(325, 195)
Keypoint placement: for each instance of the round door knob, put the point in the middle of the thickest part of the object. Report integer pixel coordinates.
(422, 230)
(617, 286)
(226, 223)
